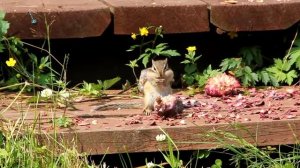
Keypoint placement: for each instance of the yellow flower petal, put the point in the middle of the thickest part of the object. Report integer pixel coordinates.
(11, 62)
(232, 35)
(144, 31)
(133, 36)
(191, 48)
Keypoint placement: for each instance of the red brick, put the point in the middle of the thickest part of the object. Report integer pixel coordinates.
(176, 16)
(69, 19)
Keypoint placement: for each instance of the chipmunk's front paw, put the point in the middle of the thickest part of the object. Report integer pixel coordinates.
(147, 111)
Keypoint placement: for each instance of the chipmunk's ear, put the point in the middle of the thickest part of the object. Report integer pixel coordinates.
(166, 62)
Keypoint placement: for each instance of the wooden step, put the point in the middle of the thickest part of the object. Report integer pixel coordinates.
(266, 118)
(89, 18)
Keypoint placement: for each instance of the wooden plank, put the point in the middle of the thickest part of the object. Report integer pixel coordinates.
(254, 15)
(176, 16)
(189, 137)
(67, 19)
(118, 129)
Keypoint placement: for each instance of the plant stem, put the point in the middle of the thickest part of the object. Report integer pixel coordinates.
(17, 96)
(52, 56)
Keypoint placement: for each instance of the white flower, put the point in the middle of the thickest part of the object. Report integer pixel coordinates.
(46, 93)
(150, 165)
(182, 122)
(64, 94)
(160, 137)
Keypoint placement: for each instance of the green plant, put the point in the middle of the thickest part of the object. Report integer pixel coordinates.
(283, 69)
(148, 47)
(20, 64)
(249, 155)
(217, 164)
(96, 89)
(191, 73)
(239, 69)
(20, 147)
(207, 73)
(63, 121)
(190, 68)
(171, 157)
(198, 155)
(248, 68)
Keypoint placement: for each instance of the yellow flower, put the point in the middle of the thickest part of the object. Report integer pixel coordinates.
(11, 62)
(144, 31)
(133, 36)
(232, 35)
(191, 48)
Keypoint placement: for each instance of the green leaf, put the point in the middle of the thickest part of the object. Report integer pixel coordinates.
(188, 79)
(297, 41)
(162, 45)
(3, 153)
(274, 81)
(185, 62)
(109, 83)
(295, 58)
(190, 68)
(33, 58)
(264, 77)
(144, 55)
(252, 56)
(278, 63)
(169, 53)
(288, 165)
(11, 81)
(2, 15)
(218, 162)
(196, 58)
(132, 64)
(281, 76)
(4, 25)
(202, 154)
(44, 79)
(230, 64)
(133, 47)
(1, 47)
(145, 60)
(247, 76)
(290, 77)
(156, 51)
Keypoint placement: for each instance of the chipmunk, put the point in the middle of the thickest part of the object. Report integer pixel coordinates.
(155, 82)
